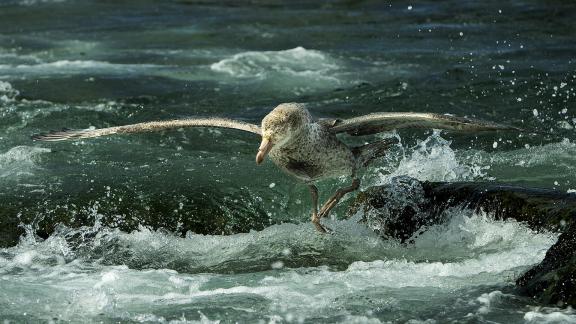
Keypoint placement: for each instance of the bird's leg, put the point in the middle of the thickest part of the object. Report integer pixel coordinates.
(315, 217)
(331, 203)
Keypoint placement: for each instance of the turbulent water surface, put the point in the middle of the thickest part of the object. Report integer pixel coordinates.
(77, 243)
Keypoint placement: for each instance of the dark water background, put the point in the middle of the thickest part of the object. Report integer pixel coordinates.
(82, 63)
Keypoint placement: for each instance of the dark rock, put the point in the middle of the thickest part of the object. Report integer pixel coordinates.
(202, 210)
(404, 207)
(409, 204)
(538, 208)
(397, 210)
(553, 281)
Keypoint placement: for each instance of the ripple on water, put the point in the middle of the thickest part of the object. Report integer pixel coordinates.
(70, 67)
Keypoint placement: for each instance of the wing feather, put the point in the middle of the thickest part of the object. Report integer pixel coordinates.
(382, 122)
(154, 126)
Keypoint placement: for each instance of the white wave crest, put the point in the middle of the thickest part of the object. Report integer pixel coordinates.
(36, 2)
(296, 69)
(550, 315)
(65, 67)
(298, 61)
(7, 92)
(20, 161)
(75, 286)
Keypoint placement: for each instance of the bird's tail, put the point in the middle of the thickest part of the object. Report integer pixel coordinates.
(365, 154)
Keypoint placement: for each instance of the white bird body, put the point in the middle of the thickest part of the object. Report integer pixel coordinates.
(314, 154)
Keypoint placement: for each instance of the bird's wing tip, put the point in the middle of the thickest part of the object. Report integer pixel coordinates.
(64, 134)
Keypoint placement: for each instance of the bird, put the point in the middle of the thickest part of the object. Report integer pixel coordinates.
(310, 150)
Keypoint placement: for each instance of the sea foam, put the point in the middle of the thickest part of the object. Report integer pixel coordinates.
(7, 92)
(298, 70)
(66, 67)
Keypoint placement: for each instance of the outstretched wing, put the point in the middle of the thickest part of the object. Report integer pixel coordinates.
(381, 122)
(148, 127)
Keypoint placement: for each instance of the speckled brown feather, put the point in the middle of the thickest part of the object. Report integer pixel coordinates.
(387, 121)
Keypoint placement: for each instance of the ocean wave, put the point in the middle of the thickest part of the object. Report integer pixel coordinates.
(551, 164)
(501, 244)
(23, 110)
(7, 92)
(14, 58)
(550, 315)
(36, 2)
(296, 69)
(141, 281)
(297, 61)
(20, 161)
(562, 153)
(74, 67)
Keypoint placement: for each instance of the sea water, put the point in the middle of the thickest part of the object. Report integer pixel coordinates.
(81, 63)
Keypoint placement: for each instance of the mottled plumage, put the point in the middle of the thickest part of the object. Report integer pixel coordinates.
(306, 149)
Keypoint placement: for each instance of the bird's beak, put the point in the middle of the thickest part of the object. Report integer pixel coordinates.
(265, 147)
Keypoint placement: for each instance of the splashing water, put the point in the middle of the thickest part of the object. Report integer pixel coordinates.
(20, 161)
(431, 159)
(7, 92)
(93, 272)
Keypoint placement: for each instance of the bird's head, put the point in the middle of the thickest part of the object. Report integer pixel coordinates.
(280, 125)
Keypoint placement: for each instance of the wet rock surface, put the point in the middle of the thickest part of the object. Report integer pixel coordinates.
(403, 208)
(553, 281)
(201, 210)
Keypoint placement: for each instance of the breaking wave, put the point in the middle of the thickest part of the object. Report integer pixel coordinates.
(298, 69)
(99, 273)
(7, 92)
(20, 161)
(67, 67)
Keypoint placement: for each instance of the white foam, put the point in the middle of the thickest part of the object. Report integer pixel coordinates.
(7, 92)
(487, 300)
(20, 160)
(66, 67)
(468, 234)
(13, 57)
(107, 278)
(36, 2)
(433, 160)
(550, 315)
(305, 292)
(298, 61)
(298, 70)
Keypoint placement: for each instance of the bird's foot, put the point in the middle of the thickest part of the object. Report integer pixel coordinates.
(319, 227)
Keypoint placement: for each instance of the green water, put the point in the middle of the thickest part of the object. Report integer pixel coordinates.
(80, 63)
